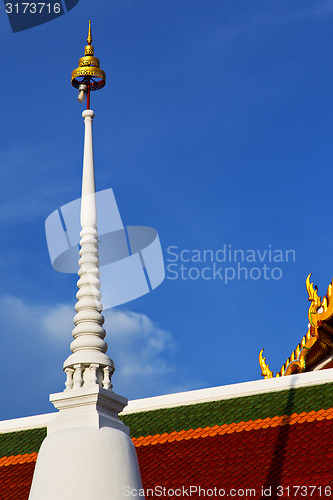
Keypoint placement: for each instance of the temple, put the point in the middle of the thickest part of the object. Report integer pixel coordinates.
(268, 438)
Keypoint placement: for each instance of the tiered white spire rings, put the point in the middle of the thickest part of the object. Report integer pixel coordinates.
(89, 364)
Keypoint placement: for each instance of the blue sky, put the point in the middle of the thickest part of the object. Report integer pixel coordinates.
(214, 128)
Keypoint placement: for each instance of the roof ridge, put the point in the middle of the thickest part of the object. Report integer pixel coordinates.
(230, 391)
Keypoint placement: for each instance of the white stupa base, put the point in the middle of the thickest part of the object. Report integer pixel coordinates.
(87, 407)
(87, 453)
(86, 464)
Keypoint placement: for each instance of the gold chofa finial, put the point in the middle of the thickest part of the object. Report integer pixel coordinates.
(265, 371)
(89, 39)
(89, 72)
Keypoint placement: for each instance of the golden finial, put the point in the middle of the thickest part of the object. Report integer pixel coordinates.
(313, 298)
(88, 76)
(89, 39)
(265, 371)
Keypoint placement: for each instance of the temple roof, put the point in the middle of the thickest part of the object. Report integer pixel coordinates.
(315, 351)
(245, 441)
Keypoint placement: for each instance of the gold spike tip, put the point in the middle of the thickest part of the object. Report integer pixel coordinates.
(89, 70)
(89, 38)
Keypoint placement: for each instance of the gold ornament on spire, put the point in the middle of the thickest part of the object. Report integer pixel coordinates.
(88, 73)
(89, 38)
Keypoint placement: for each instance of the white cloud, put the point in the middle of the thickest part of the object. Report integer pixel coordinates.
(323, 8)
(140, 349)
(40, 335)
(57, 322)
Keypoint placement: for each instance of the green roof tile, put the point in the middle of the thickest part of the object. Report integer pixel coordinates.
(18, 443)
(227, 411)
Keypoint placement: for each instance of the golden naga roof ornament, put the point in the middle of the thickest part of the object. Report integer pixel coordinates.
(313, 298)
(320, 310)
(88, 73)
(265, 371)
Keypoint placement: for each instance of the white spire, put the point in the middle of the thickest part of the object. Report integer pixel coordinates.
(87, 452)
(88, 365)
